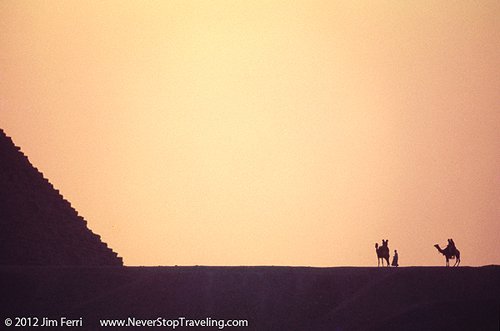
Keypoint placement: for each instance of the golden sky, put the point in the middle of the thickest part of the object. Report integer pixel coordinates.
(263, 132)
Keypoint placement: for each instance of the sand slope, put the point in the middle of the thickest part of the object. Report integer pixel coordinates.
(270, 298)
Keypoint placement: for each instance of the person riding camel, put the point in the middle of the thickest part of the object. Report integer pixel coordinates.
(451, 247)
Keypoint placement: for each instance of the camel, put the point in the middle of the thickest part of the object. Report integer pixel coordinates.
(382, 252)
(450, 252)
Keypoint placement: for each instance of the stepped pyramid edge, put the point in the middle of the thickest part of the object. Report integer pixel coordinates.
(38, 226)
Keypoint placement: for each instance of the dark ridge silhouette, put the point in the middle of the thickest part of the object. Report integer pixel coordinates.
(382, 252)
(37, 225)
(450, 252)
(270, 298)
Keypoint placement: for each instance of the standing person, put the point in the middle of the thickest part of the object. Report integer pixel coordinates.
(395, 259)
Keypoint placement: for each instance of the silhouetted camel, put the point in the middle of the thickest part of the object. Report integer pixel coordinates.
(450, 252)
(382, 252)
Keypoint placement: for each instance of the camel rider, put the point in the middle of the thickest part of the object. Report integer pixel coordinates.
(452, 248)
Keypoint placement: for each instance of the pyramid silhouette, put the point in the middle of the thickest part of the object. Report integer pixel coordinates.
(37, 225)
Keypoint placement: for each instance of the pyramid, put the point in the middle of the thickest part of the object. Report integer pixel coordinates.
(37, 225)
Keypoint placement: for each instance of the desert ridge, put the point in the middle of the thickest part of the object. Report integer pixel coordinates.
(269, 298)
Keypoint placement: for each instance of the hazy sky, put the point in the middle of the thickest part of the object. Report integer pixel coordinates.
(263, 132)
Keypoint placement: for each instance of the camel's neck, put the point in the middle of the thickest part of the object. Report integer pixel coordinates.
(439, 249)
